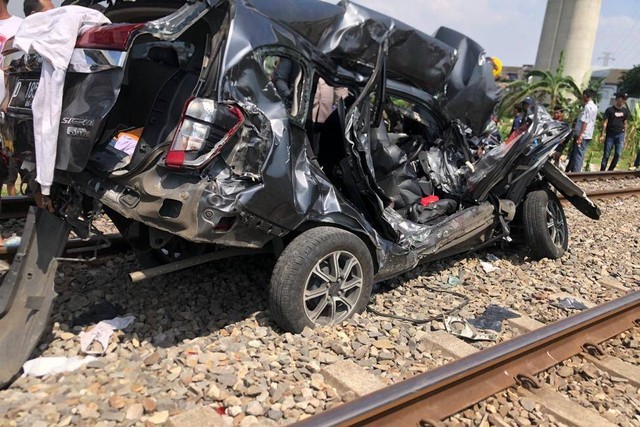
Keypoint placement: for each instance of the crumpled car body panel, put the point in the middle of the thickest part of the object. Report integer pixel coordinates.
(268, 184)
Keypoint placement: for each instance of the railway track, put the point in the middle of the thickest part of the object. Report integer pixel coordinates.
(603, 176)
(110, 245)
(15, 207)
(432, 397)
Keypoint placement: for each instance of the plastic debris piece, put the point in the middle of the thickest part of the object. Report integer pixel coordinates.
(488, 267)
(54, 365)
(96, 341)
(569, 303)
(13, 242)
(454, 281)
(460, 327)
(492, 258)
(492, 318)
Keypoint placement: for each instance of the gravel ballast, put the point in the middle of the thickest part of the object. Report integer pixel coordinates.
(203, 337)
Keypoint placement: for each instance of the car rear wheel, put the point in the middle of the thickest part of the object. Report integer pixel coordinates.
(323, 277)
(545, 225)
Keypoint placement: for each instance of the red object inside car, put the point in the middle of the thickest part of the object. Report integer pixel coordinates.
(426, 201)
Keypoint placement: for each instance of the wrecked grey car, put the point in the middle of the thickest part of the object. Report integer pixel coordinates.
(221, 157)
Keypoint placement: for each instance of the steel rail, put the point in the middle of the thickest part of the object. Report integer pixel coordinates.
(607, 194)
(15, 206)
(447, 390)
(597, 176)
(78, 246)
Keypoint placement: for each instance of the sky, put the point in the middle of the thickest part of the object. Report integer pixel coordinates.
(508, 29)
(511, 29)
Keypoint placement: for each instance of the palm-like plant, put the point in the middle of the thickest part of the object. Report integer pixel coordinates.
(553, 87)
(633, 131)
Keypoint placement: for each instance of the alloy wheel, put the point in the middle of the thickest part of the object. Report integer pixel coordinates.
(333, 288)
(556, 223)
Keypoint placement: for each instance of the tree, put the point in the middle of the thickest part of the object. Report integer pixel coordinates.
(553, 87)
(630, 82)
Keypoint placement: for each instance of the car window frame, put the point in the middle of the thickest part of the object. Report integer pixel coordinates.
(308, 73)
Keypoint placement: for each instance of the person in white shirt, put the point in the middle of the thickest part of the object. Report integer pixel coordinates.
(583, 131)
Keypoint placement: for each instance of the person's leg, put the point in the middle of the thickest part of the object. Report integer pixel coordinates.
(580, 152)
(570, 156)
(637, 162)
(13, 176)
(608, 145)
(618, 141)
(558, 154)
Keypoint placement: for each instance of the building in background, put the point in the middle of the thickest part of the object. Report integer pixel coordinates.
(511, 73)
(609, 80)
(570, 26)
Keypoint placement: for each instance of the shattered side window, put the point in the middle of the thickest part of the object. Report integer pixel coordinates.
(407, 117)
(287, 75)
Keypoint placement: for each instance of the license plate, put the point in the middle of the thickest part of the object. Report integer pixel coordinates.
(23, 94)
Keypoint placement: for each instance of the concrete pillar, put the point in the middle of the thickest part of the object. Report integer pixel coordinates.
(569, 26)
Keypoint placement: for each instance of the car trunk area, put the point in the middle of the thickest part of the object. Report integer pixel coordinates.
(159, 77)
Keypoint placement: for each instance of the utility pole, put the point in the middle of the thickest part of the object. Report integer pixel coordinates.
(606, 57)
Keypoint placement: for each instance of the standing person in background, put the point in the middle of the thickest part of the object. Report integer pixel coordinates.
(8, 28)
(613, 131)
(584, 131)
(636, 164)
(284, 77)
(517, 118)
(558, 115)
(33, 6)
(324, 102)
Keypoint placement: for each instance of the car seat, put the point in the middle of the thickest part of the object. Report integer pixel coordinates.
(394, 170)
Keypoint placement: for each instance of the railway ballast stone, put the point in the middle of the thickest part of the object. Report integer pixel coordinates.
(346, 377)
(200, 323)
(203, 416)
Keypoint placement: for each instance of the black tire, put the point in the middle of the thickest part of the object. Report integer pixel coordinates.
(545, 225)
(302, 270)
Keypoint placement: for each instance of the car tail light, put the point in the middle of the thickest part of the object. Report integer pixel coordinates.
(205, 129)
(111, 37)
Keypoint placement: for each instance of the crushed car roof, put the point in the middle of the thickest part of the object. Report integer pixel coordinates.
(343, 39)
(447, 65)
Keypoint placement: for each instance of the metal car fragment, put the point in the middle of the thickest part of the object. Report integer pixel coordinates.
(492, 318)
(569, 303)
(27, 290)
(460, 327)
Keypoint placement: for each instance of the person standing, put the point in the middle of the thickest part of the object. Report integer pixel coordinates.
(325, 101)
(584, 131)
(613, 131)
(284, 78)
(8, 28)
(558, 115)
(636, 164)
(517, 118)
